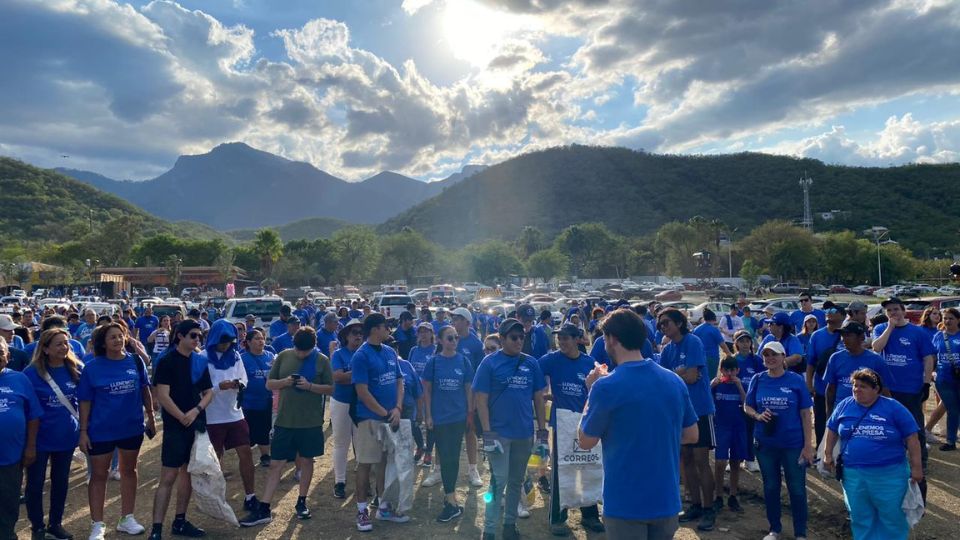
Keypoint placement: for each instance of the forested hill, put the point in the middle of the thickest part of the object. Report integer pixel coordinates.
(634, 193)
(38, 205)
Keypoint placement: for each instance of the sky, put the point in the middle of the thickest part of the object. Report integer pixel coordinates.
(424, 87)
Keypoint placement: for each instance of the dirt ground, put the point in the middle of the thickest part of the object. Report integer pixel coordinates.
(334, 518)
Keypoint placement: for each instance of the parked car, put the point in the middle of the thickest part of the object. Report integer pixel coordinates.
(924, 288)
(786, 288)
(949, 290)
(839, 289)
(864, 290)
(169, 308)
(723, 290)
(162, 292)
(669, 296)
(392, 304)
(695, 314)
(914, 308)
(253, 290)
(788, 305)
(265, 309)
(817, 288)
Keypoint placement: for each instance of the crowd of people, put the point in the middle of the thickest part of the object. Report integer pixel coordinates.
(695, 402)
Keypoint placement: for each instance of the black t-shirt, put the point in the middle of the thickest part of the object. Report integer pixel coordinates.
(175, 370)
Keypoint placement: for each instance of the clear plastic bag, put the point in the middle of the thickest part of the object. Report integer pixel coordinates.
(209, 487)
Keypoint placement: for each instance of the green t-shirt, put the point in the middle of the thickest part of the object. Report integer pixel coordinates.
(300, 408)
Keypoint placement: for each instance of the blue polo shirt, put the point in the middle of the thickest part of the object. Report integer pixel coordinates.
(471, 348)
(380, 371)
(786, 396)
(510, 383)
(880, 438)
(842, 365)
(283, 342)
(567, 376)
(904, 354)
(639, 412)
(688, 353)
(419, 356)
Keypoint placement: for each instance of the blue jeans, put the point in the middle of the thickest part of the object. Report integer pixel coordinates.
(873, 496)
(507, 472)
(777, 464)
(950, 396)
(59, 479)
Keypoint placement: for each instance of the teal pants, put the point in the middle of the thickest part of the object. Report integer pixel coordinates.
(873, 496)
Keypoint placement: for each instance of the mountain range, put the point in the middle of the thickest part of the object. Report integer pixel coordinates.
(235, 186)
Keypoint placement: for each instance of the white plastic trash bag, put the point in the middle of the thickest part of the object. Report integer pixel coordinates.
(398, 478)
(579, 471)
(821, 451)
(209, 487)
(912, 503)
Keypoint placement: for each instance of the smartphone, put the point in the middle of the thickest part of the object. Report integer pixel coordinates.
(296, 376)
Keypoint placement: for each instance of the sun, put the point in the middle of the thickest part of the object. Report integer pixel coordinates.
(474, 31)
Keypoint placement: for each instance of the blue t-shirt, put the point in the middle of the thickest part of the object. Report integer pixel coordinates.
(798, 316)
(283, 342)
(113, 388)
(688, 353)
(785, 396)
(412, 389)
(711, 338)
(277, 328)
(729, 405)
(344, 393)
(821, 341)
(419, 356)
(904, 354)
(639, 412)
(74, 344)
(18, 405)
(380, 371)
(146, 326)
(437, 325)
(749, 364)
(448, 378)
(931, 331)
(540, 341)
(256, 396)
(567, 378)
(880, 438)
(324, 339)
(59, 430)
(945, 360)
(84, 332)
(842, 364)
(510, 383)
(471, 348)
(599, 352)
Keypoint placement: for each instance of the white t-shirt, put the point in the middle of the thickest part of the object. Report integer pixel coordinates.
(223, 409)
(728, 329)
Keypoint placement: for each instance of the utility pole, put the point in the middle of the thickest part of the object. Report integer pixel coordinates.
(805, 183)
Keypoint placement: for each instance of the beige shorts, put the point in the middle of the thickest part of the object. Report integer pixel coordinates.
(366, 445)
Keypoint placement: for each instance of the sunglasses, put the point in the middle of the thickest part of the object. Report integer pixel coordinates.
(805, 300)
(195, 335)
(355, 333)
(515, 337)
(663, 323)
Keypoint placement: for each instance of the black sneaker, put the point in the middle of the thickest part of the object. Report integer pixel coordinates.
(708, 520)
(302, 511)
(510, 532)
(948, 447)
(717, 505)
(256, 517)
(265, 461)
(734, 504)
(559, 529)
(56, 532)
(38, 534)
(488, 536)
(695, 511)
(185, 528)
(155, 535)
(544, 484)
(592, 524)
(449, 513)
(251, 504)
(340, 490)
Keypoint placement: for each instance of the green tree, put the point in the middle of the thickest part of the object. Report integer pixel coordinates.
(269, 249)
(357, 252)
(407, 254)
(589, 247)
(530, 241)
(773, 240)
(678, 242)
(547, 264)
(750, 272)
(492, 261)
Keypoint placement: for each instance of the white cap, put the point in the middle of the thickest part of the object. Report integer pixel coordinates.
(6, 323)
(463, 312)
(774, 346)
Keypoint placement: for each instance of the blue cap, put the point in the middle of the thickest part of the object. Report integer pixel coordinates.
(526, 311)
(780, 318)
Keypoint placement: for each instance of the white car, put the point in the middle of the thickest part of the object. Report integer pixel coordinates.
(695, 315)
(265, 309)
(253, 291)
(949, 290)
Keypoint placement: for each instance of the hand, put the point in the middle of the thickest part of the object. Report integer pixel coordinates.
(227, 385)
(765, 416)
(429, 423)
(491, 444)
(29, 455)
(809, 454)
(84, 443)
(151, 424)
(291, 381)
(599, 370)
(925, 392)
(301, 384)
(828, 463)
(393, 416)
(916, 474)
(189, 417)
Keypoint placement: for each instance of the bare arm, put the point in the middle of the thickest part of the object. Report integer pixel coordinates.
(828, 447)
(809, 439)
(811, 372)
(913, 453)
(689, 375)
(481, 399)
(690, 434)
(794, 359)
(539, 409)
(427, 411)
(881, 342)
(364, 395)
(928, 364)
(342, 377)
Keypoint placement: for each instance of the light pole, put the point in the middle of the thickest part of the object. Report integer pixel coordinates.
(878, 234)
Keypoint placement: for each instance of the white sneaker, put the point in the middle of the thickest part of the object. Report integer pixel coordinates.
(772, 536)
(114, 474)
(522, 511)
(475, 479)
(97, 530)
(751, 466)
(129, 525)
(432, 479)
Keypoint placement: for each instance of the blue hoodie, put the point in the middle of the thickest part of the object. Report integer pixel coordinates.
(231, 356)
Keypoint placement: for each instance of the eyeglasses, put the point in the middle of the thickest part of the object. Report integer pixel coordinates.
(664, 323)
(195, 335)
(515, 337)
(832, 311)
(805, 300)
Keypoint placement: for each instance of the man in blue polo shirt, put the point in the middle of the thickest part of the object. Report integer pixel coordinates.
(713, 342)
(566, 371)
(146, 324)
(911, 357)
(508, 388)
(642, 413)
(685, 356)
(285, 341)
(852, 357)
(806, 308)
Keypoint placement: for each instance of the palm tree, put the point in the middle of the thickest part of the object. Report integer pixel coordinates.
(269, 249)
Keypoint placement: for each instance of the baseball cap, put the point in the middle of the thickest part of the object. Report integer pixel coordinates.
(852, 327)
(810, 317)
(568, 329)
(526, 311)
(856, 305)
(509, 324)
(463, 312)
(251, 317)
(741, 334)
(6, 323)
(425, 326)
(780, 318)
(294, 320)
(891, 300)
(405, 315)
(774, 346)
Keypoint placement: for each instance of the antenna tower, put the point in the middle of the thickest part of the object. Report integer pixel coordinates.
(805, 183)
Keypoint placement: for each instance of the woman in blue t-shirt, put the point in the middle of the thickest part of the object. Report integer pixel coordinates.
(781, 331)
(54, 372)
(115, 399)
(343, 398)
(873, 431)
(781, 405)
(947, 344)
(749, 363)
(257, 400)
(447, 399)
(810, 325)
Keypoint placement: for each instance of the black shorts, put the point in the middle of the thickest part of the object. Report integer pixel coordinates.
(176, 446)
(290, 442)
(708, 438)
(107, 447)
(259, 422)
